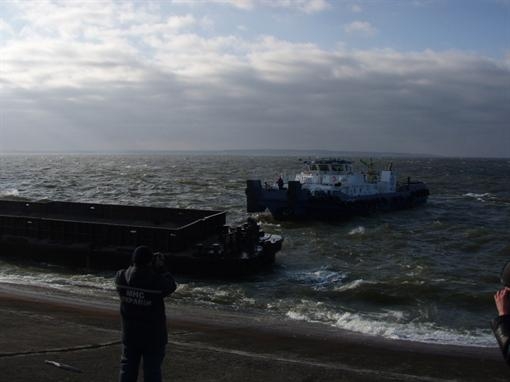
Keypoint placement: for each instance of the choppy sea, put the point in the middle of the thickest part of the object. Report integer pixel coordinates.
(426, 274)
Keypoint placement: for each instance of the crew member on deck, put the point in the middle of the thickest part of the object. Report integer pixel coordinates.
(279, 182)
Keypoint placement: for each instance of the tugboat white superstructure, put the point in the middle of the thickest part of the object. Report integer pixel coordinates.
(330, 189)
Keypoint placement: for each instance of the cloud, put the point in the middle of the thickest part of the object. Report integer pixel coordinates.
(241, 4)
(306, 6)
(5, 28)
(311, 6)
(356, 8)
(360, 27)
(156, 83)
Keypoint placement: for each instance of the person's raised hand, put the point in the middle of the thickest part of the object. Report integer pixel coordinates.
(502, 300)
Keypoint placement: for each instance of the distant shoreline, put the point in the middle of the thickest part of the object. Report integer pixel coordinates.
(247, 152)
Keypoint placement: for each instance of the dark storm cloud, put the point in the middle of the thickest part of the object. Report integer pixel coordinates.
(295, 98)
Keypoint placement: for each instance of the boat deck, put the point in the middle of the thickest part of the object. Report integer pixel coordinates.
(106, 224)
(139, 216)
(60, 217)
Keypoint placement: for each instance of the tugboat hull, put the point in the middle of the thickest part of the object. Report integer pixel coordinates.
(296, 203)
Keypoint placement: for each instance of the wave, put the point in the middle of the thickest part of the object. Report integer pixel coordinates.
(485, 197)
(357, 231)
(391, 324)
(9, 192)
(409, 293)
(355, 284)
(213, 295)
(80, 284)
(320, 279)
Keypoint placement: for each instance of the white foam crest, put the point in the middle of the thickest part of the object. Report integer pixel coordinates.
(360, 230)
(320, 279)
(275, 225)
(220, 295)
(480, 197)
(390, 324)
(80, 284)
(352, 285)
(9, 192)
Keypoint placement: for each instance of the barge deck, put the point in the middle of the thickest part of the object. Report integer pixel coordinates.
(103, 236)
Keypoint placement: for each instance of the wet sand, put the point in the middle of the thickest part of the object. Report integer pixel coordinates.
(211, 345)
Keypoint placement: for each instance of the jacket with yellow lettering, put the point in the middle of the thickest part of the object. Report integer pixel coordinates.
(141, 290)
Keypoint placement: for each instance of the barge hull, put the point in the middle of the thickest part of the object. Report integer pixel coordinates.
(102, 237)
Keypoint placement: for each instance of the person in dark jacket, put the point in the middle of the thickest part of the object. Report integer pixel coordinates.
(142, 288)
(501, 324)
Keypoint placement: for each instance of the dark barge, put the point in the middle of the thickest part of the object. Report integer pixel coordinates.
(103, 236)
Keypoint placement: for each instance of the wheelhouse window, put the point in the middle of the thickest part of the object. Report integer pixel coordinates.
(323, 167)
(337, 167)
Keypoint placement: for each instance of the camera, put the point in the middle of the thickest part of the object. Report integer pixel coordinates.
(158, 263)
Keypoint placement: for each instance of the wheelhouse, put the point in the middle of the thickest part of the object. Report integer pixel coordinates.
(328, 166)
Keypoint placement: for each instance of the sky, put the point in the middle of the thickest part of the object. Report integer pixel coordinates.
(397, 76)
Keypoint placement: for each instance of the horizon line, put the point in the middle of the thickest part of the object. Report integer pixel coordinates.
(262, 152)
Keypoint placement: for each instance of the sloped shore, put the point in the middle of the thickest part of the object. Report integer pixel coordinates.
(212, 345)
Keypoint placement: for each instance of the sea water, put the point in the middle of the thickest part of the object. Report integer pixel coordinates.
(426, 274)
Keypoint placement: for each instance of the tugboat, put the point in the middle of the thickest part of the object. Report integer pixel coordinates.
(103, 236)
(330, 189)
